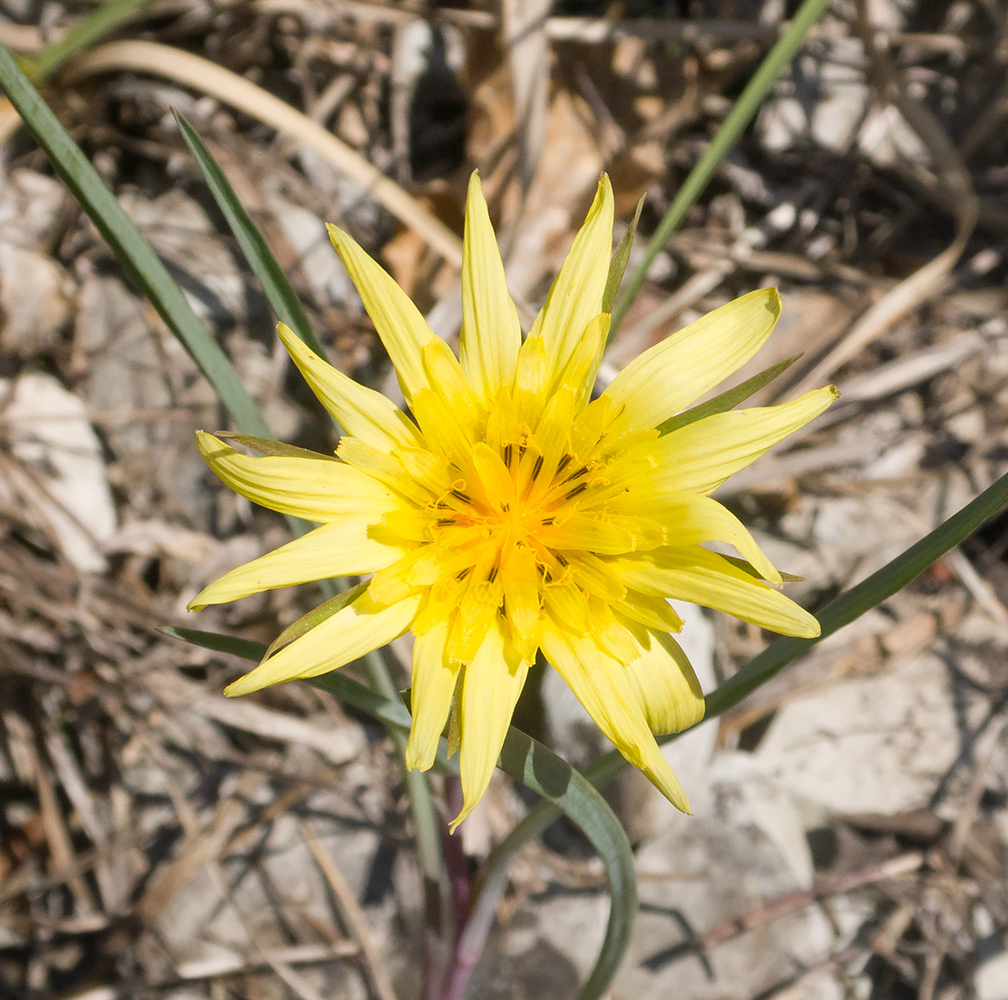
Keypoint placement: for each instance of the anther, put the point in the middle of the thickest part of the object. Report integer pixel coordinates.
(493, 574)
(577, 489)
(564, 462)
(459, 495)
(507, 455)
(537, 468)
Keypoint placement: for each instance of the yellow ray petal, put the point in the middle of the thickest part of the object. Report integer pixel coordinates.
(666, 686)
(340, 549)
(521, 597)
(582, 368)
(446, 376)
(702, 577)
(397, 321)
(675, 373)
(362, 412)
(603, 687)
(316, 489)
(490, 689)
(347, 635)
(699, 457)
(491, 334)
(576, 296)
(495, 479)
(689, 520)
(434, 677)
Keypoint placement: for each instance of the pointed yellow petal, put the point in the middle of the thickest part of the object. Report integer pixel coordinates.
(340, 549)
(531, 380)
(521, 597)
(666, 686)
(675, 373)
(699, 457)
(320, 489)
(576, 296)
(690, 519)
(582, 368)
(362, 412)
(491, 334)
(350, 633)
(434, 679)
(498, 486)
(490, 689)
(446, 377)
(441, 428)
(703, 577)
(603, 687)
(397, 321)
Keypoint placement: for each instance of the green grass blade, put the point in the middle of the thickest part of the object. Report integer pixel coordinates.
(726, 400)
(537, 767)
(278, 289)
(731, 128)
(95, 26)
(620, 259)
(132, 250)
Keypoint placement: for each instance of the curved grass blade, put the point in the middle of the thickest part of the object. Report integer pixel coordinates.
(132, 250)
(566, 790)
(278, 289)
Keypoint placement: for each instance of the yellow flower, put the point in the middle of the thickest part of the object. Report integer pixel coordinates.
(513, 513)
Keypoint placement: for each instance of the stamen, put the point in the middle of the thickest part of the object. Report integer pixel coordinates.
(493, 574)
(560, 559)
(537, 468)
(547, 521)
(564, 462)
(443, 522)
(507, 455)
(577, 489)
(459, 495)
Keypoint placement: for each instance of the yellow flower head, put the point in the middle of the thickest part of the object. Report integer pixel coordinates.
(513, 513)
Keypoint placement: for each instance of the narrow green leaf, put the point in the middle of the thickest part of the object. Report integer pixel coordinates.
(272, 447)
(102, 21)
(384, 710)
(747, 567)
(726, 400)
(314, 617)
(542, 770)
(279, 290)
(132, 250)
(619, 261)
(245, 648)
(741, 114)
